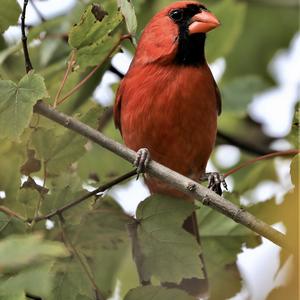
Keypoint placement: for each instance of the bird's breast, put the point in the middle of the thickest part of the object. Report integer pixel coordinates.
(172, 111)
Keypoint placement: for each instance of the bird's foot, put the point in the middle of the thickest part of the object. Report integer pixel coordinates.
(215, 180)
(142, 160)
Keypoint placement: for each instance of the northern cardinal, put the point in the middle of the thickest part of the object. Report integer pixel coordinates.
(168, 102)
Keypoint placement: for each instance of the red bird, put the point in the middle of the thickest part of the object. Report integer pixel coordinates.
(168, 102)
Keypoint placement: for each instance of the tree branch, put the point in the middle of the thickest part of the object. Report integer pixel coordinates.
(243, 144)
(75, 202)
(167, 175)
(11, 213)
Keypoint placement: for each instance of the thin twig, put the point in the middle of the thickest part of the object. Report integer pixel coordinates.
(38, 12)
(267, 156)
(243, 144)
(11, 213)
(84, 266)
(68, 70)
(28, 64)
(167, 175)
(75, 202)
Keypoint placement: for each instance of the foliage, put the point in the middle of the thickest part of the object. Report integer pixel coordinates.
(169, 253)
(44, 166)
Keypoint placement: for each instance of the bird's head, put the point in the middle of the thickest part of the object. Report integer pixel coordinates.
(177, 34)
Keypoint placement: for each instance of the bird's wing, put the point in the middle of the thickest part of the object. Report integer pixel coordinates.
(117, 108)
(219, 99)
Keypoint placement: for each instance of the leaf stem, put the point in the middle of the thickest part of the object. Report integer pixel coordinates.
(84, 80)
(68, 70)
(11, 213)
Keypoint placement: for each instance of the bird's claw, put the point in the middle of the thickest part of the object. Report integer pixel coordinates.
(215, 180)
(142, 160)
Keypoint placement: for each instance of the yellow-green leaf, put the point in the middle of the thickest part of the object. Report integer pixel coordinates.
(128, 12)
(157, 293)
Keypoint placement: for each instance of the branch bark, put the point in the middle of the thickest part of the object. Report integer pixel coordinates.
(182, 183)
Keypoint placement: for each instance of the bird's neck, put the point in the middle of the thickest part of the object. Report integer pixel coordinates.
(190, 50)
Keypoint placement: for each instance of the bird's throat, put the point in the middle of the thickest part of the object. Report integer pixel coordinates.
(190, 50)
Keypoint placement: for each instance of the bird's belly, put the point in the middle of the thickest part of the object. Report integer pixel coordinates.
(179, 133)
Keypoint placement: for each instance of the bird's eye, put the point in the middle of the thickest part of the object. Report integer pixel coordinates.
(176, 15)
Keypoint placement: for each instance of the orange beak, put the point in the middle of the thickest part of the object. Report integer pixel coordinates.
(203, 22)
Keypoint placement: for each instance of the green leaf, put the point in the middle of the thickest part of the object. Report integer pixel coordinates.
(9, 226)
(239, 92)
(11, 157)
(128, 12)
(25, 262)
(101, 162)
(157, 293)
(222, 240)
(92, 38)
(36, 280)
(18, 251)
(9, 13)
(294, 135)
(169, 252)
(102, 239)
(27, 198)
(295, 169)
(254, 175)
(70, 281)
(16, 103)
(258, 43)
(231, 15)
(64, 150)
(64, 189)
(235, 125)
(102, 242)
(20, 295)
(127, 274)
